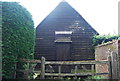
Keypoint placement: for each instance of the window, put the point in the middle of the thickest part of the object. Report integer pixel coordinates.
(63, 36)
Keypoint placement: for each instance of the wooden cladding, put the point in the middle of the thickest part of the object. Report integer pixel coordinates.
(64, 35)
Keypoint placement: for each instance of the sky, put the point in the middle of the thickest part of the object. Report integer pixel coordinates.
(102, 15)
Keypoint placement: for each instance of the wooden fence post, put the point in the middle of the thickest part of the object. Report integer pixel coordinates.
(114, 65)
(76, 69)
(109, 68)
(92, 71)
(59, 70)
(26, 73)
(42, 68)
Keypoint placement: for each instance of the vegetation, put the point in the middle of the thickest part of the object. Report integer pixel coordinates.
(96, 78)
(71, 79)
(17, 37)
(100, 39)
(89, 78)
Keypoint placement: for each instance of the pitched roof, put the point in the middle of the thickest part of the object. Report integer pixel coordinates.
(67, 16)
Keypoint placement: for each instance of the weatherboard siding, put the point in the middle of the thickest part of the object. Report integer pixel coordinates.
(64, 18)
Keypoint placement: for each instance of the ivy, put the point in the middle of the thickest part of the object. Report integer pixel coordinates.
(100, 39)
(17, 37)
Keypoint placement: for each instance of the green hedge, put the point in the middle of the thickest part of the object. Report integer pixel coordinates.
(100, 39)
(17, 37)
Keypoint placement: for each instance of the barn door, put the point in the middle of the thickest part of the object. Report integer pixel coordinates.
(63, 51)
(63, 45)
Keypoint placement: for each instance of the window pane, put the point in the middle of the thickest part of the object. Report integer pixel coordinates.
(63, 36)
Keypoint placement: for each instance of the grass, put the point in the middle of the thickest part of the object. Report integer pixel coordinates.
(89, 78)
(96, 78)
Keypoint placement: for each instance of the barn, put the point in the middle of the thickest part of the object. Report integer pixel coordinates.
(64, 35)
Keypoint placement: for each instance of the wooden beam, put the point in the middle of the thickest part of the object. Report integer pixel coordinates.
(114, 65)
(42, 68)
(24, 71)
(92, 68)
(109, 68)
(30, 61)
(75, 62)
(65, 62)
(76, 74)
(67, 74)
(59, 70)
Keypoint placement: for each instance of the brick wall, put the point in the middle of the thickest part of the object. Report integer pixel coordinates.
(102, 52)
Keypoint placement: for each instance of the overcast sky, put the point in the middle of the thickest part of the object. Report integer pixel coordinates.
(102, 15)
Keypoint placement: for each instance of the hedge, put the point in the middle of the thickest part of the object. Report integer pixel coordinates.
(100, 39)
(17, 37)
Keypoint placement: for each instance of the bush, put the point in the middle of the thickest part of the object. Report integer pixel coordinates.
(17, 37)
(95, 78)
(100, 39)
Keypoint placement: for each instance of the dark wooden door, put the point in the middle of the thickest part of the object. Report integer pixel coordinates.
(63, 54)
(63, 51)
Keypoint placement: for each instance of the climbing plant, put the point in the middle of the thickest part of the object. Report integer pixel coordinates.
(17, 37)
(100, 39)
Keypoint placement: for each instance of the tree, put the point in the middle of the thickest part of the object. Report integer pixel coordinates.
(17, 37)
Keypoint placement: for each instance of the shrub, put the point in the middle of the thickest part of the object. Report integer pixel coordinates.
(17, 37)
(100, 39)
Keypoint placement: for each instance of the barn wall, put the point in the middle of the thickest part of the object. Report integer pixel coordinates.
(81, 46)
(102, 52)
(64, 18)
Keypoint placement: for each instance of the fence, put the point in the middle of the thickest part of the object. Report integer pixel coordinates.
(43, 63)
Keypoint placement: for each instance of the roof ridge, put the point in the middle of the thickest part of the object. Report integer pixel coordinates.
(63, 0)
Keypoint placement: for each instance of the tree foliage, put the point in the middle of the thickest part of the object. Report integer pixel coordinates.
(100, 39)
(17, 36)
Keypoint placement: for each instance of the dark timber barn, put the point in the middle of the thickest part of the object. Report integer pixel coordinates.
(64, 35)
